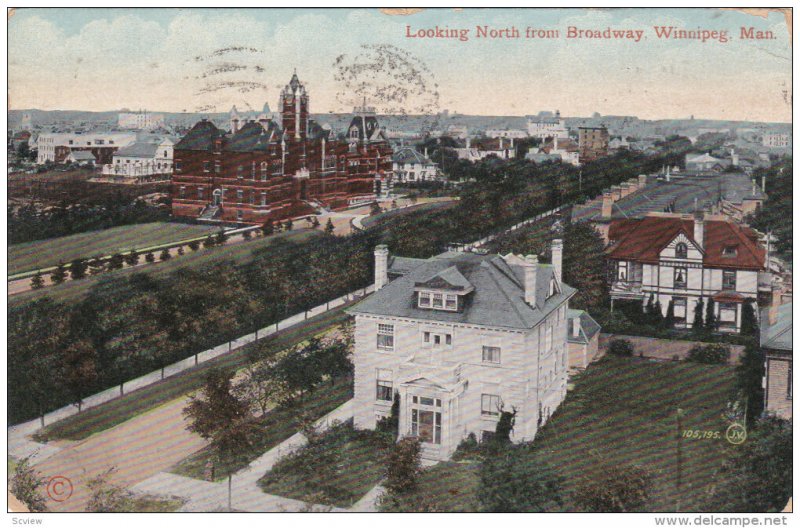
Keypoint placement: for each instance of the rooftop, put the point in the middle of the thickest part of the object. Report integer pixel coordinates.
(777, 336)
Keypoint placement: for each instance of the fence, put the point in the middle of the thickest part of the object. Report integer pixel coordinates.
(191, 361)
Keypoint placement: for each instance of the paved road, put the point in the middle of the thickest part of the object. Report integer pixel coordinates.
(138, 449)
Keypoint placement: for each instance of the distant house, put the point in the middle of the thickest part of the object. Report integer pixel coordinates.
(460, 338)
(409, 165)
(81, 157)
(680, 261)
(545, 125)
(776, 341)
(499, 147)
(55, 147)
(583, 335)
(149, 159)
(705, 162)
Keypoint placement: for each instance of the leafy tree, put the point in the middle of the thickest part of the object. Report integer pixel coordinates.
(132, 258)
(288, 224)
(209, 242)
(221, 238)
(150, 257)
(375, 208)
(697, 322)
(37, 281)
(669, 320)
(215, 407)
(749, 320)
(268, 228)
(329, 229)
(505, 425)
(403, 466)
(181, 251)
(97, 265)
(314, 222)
(713, 354)
(758, 476)
(80, 370)
(620, 347)
(391, 424)
(77, 269)
(164, 255)
(582, 269)
(247, 235)
(106, 497)
(59, 274)
(614, 488)
(514, 480)
(749, 377)
(711, 318)
(26, 484)
(194, 245)
(115, 262)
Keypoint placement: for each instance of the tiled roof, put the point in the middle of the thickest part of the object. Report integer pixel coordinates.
(82, 155)
(200, 137)
(777, 336)
(643, 239)
(497, 299)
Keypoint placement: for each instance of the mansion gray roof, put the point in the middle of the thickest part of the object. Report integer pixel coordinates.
(497, 299)
(410, 155)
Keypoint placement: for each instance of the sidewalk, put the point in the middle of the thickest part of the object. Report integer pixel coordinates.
(203, 496)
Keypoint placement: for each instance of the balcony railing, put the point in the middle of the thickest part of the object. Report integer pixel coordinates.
(626, 288)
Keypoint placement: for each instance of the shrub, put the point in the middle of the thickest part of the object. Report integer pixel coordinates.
(37, 282)
(209, 242)
(164, 255)
(617, 488)
(115, 262)
(267, 229)
(132, 258)
(181, 251)
(150, 258)
(221, 238)
(194, 245)
(713, 354)
(59, 274)
(247, 235)
(403, 466)
(620, 347)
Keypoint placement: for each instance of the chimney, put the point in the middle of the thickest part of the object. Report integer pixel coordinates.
(426, 152)
(530, 268)
(754, 186)
(616, 192)
(557, 250)
(699, 229)
(763, 184)
(772, 313)
(381, 266)
(642, 180)
(608, 202)
(501, 143)
(468, 142)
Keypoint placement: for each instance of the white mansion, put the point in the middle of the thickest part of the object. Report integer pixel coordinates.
(460, 338)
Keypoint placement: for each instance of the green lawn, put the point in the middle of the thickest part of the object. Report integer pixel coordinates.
(45, 253)
(445, 487)
(382, 218)
(337, 469)
(242, 252)
(272, 429)
(151, 504)
(114, 412)
(621, 411)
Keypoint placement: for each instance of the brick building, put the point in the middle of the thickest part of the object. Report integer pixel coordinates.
(276, 169)
(776, 342)
(592, 143)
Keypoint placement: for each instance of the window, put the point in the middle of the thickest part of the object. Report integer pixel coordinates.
(239, 195)
(164, 156)
(199, 193)
(239, 215)
(424, 300)
(729, 251)
(384, 385)
(448, 339)
(206, 166)
(679, 308)
(263, 171)
(182, 192)
(217, 166)
(252, 197)
(548, 339)
(437, 300)
(263, 198)
(385, 337)
(240, 172)
(253, 170)
(426, 337)
(451, 302)
(437, 339)
(681, 251)
(553, 289)
(727, 315)
(679, 278)
(426, 425)
(622, 271)
(490, 405)
(491, 354)
(729, 279)
(178, 166)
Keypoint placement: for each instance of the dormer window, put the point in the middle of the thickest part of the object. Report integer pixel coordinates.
(451, 302)
(424, 300)
(553, 288)
(729, 251)
(681, 251)
(438, 300)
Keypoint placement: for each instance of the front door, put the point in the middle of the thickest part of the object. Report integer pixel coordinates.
(426, 419)
(216, 197)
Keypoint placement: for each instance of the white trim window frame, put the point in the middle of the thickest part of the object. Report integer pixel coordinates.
(490, 405)
(491, 354)
(385, 339)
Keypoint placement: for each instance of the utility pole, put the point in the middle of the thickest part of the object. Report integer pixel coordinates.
(679, 460)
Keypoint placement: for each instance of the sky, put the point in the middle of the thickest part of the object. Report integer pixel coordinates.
(206, 60)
